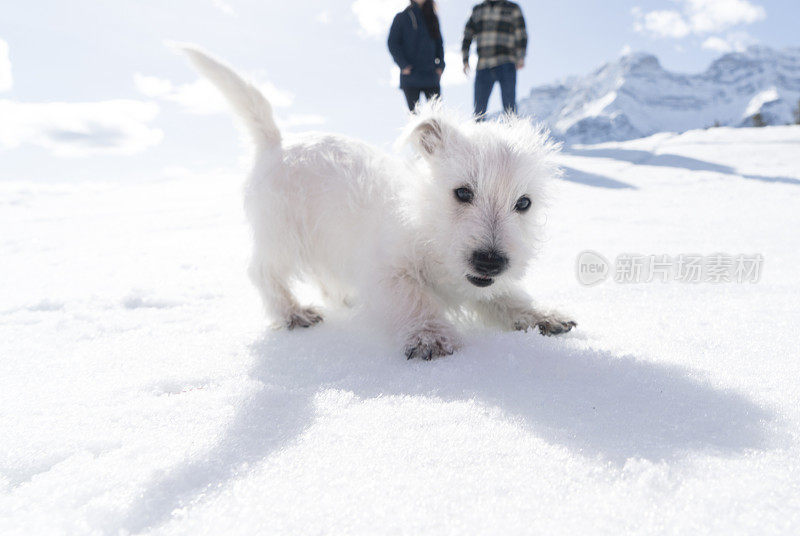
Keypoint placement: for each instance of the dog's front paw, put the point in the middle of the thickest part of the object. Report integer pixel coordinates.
(428, 344)
(303, 318)
(555, 325)
(549, 324)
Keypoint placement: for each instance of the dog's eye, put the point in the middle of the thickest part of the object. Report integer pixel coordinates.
(523, 204)
(464, 195)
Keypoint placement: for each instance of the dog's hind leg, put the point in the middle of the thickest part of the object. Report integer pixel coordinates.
(279, 302)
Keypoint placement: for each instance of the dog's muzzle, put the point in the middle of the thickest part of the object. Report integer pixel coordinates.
(487, 264)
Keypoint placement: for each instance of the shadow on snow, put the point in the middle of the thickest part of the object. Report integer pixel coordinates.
(590, 401)
(647, 158)
(593, 179)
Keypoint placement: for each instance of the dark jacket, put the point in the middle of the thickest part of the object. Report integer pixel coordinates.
(410, 43)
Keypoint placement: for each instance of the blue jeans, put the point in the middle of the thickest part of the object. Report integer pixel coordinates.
(506, 74)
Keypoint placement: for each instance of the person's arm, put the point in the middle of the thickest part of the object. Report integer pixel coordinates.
(520, 38)
(395, 43)
(466, 42)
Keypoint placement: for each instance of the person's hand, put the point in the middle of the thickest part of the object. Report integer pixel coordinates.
(407, 70)
(466, 68)
(439, 72)
(520, 64)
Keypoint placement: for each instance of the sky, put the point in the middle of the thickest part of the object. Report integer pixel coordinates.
(91, 90)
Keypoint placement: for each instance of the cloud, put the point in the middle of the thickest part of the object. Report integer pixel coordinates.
(663, 24)
(224, 6)
(6, 80)
(152, 86)
(113, 127)
(734, 42)
(200, 96)
(74, 129)
(708, 16)
(323, 17)
(626, 50)
(301, 120)
(698, 17)
(375, 16)
(717, 43)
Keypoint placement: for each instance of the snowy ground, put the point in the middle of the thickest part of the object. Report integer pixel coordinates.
(140, 392)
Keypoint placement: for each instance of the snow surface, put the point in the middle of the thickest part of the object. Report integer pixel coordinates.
(635, 96)
(141, 393)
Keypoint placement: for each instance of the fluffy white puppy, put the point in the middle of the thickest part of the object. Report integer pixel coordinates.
(450, 233)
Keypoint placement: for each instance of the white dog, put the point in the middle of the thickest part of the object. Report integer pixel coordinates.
(451, 232)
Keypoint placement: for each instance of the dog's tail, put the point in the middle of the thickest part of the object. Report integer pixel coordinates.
(245, 98)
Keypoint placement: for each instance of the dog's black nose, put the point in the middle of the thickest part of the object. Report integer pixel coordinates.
(488, 262)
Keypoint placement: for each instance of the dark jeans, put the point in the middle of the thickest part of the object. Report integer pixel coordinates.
(413, 94)
(506, 74)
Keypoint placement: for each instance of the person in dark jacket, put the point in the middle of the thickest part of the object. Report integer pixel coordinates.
(415, 42)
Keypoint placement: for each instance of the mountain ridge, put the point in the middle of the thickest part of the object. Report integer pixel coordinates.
(634, 96)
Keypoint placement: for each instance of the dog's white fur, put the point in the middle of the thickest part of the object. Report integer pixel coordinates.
(366, 225)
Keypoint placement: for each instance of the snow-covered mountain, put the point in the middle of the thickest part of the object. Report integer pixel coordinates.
(635, 96)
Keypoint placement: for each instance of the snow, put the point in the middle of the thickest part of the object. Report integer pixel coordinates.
(141, 393)
(635, 96)
(760, 100)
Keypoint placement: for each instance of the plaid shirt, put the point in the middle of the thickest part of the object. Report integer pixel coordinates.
(499, 28)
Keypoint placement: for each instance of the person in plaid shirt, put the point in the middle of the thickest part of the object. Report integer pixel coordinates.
(499, 27)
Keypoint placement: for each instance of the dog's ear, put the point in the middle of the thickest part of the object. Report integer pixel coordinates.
(433, 132)
(431, 135)
(428, 136)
